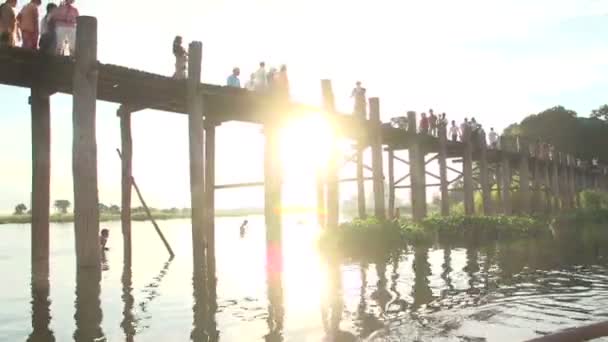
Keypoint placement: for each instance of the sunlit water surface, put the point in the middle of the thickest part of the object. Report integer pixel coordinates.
(495, 292)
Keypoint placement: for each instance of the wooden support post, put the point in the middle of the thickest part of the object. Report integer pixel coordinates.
(524, 177)
(499, 188)
(41, 178)
(272, 186)
(547, 183)
(555, 183)
(196, 148)
(391, 183)
(577, 185)
(210, 200)
(572, 182)
(360, 182)
(506, 183)
(126, 176)
(417, 172)
(537, 184)
(467, 171)
(84, 148)
(443, 172)
(333, 184)
(486, 190)
(321, 210)
(376, 145)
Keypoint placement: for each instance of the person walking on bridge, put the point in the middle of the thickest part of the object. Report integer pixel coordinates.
(233, 79)
(433, 122)
(181, 59)
(28, 24)
(260, 78)
(454, 131)
(47, 30)
(64, 19)
(8, 23)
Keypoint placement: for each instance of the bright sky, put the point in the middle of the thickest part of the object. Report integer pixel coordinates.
(496, 60)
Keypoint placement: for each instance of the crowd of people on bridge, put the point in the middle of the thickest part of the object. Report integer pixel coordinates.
(55, 33)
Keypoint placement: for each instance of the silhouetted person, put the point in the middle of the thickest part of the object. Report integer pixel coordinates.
(454, 131)
(47, 30)
(181, 58)
(243, 227)
(28, 24)
(260, 77)
(233, 79)
(103, 239)
(424, 124)
(433, 122)
(65, 26)
(282, 82)
(358, 94)
(8, 23)
(271, 80)
(493, 137)
(250, 85)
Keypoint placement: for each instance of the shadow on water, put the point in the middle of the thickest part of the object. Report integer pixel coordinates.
(88, 314)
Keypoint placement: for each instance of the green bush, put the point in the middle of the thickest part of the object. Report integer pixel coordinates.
(594, 200)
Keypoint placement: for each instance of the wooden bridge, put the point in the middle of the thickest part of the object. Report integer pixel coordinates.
(208, 106)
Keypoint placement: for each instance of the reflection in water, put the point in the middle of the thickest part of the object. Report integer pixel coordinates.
(447, 268)
(204, 328)
(274, 279)
(151, 289)
(422, 270)
(333, 305)
(128, 322)
(88, 306)
(381, 295)
(41, 312)
(472, 267)
(397, 305)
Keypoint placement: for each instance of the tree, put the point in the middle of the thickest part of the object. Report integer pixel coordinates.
(20, 209)
(62, 206)
(114, 209)
(600, 113)
(102, 208)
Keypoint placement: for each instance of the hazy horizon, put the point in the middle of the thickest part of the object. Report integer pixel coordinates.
(496, 61)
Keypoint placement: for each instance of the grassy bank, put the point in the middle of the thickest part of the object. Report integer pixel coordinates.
(368, 238)
(135, 216)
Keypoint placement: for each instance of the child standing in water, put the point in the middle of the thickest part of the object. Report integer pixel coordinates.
(103, 239)
(181, 58)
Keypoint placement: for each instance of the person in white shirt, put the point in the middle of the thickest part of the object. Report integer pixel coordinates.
(463, 126)
(493, 137)
(250, 85)
(260, 77)
(454, 131)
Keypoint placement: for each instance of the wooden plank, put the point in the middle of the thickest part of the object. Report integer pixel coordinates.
(84, 152)
(443, 172)
(196, 150)
(417, 174)
(333, 187)
(41, 177)
(376, 147)
(126, 177)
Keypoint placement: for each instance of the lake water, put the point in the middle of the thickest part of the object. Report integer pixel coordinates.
(490, 292)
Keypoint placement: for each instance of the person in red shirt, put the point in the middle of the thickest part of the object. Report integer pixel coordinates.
(424, 124)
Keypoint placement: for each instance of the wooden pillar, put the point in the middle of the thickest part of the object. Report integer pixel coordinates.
(577, 185)
(376, 145)
(360, 182)
(391, 183)
(572, 183)
(126, 181)
(486, 191)
(333, 170)
(417, 171)
(537, 181)
(443, 172)
(196, 140)
(321, 212)
(210, 200)
(467, 171)
(555, 183)
(524, 177)
(84, 148)
(500, 208)
(41, 178)
(272, 187)
(506, 183)
(547, 165)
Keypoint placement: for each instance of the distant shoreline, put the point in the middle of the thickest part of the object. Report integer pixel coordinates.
(137, 216)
